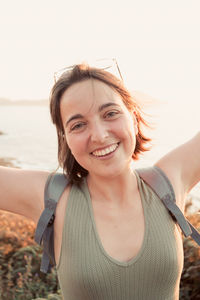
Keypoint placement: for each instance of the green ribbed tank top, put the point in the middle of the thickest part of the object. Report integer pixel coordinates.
(87, 272)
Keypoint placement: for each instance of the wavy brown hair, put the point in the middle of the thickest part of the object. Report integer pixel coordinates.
(79, 73)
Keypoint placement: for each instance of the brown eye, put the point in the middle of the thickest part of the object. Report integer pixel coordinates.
(77, 126)
(111, 114)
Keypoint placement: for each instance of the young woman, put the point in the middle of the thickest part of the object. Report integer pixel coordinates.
(113, 238)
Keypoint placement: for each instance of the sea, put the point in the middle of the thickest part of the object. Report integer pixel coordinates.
(28, 139)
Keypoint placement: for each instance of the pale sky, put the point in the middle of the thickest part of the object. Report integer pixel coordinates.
(156, 43)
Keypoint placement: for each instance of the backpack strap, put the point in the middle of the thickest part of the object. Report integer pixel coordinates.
(54, 188)
(161, 185)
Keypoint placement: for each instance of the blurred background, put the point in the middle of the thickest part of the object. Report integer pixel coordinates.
(156, 44)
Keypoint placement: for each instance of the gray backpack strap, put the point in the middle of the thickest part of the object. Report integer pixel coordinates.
(54, 188)
(161, 185)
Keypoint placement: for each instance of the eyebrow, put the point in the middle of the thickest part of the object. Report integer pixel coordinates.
(79, 116)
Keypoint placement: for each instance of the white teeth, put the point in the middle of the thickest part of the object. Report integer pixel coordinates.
(105, 151)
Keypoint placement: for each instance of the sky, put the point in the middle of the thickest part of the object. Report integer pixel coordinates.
(156, 43)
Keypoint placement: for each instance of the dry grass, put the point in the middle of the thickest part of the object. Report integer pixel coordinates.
(17, 229)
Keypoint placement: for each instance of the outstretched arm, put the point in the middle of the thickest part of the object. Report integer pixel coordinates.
(182, 166)
(22, 191)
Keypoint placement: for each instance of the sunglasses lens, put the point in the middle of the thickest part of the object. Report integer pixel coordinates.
(60, 72)
(109, 65)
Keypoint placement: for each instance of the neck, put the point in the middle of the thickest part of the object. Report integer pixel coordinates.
(116, 190)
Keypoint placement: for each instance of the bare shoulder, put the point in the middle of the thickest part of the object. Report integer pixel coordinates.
(182, 166)
(22, 191)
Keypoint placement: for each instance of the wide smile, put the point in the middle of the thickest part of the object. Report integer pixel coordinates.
(106, 151)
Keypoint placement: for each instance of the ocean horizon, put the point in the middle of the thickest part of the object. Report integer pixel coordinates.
(28, 140)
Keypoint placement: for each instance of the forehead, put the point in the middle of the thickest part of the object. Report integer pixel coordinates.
(88, 94)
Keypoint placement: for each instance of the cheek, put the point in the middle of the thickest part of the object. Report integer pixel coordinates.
(127, 130)
(77, 145)
(128, 133)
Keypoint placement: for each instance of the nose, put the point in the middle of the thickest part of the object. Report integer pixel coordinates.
(98, 132)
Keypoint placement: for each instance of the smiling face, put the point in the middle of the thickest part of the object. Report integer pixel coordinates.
(99, 129)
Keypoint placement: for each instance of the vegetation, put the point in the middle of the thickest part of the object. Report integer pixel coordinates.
(190, 280)
(20, 257)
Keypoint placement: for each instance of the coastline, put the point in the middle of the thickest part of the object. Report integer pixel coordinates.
(8, 102)
(7, 162)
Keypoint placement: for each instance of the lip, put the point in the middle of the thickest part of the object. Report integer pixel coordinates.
(107, 156)
(102, 148)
